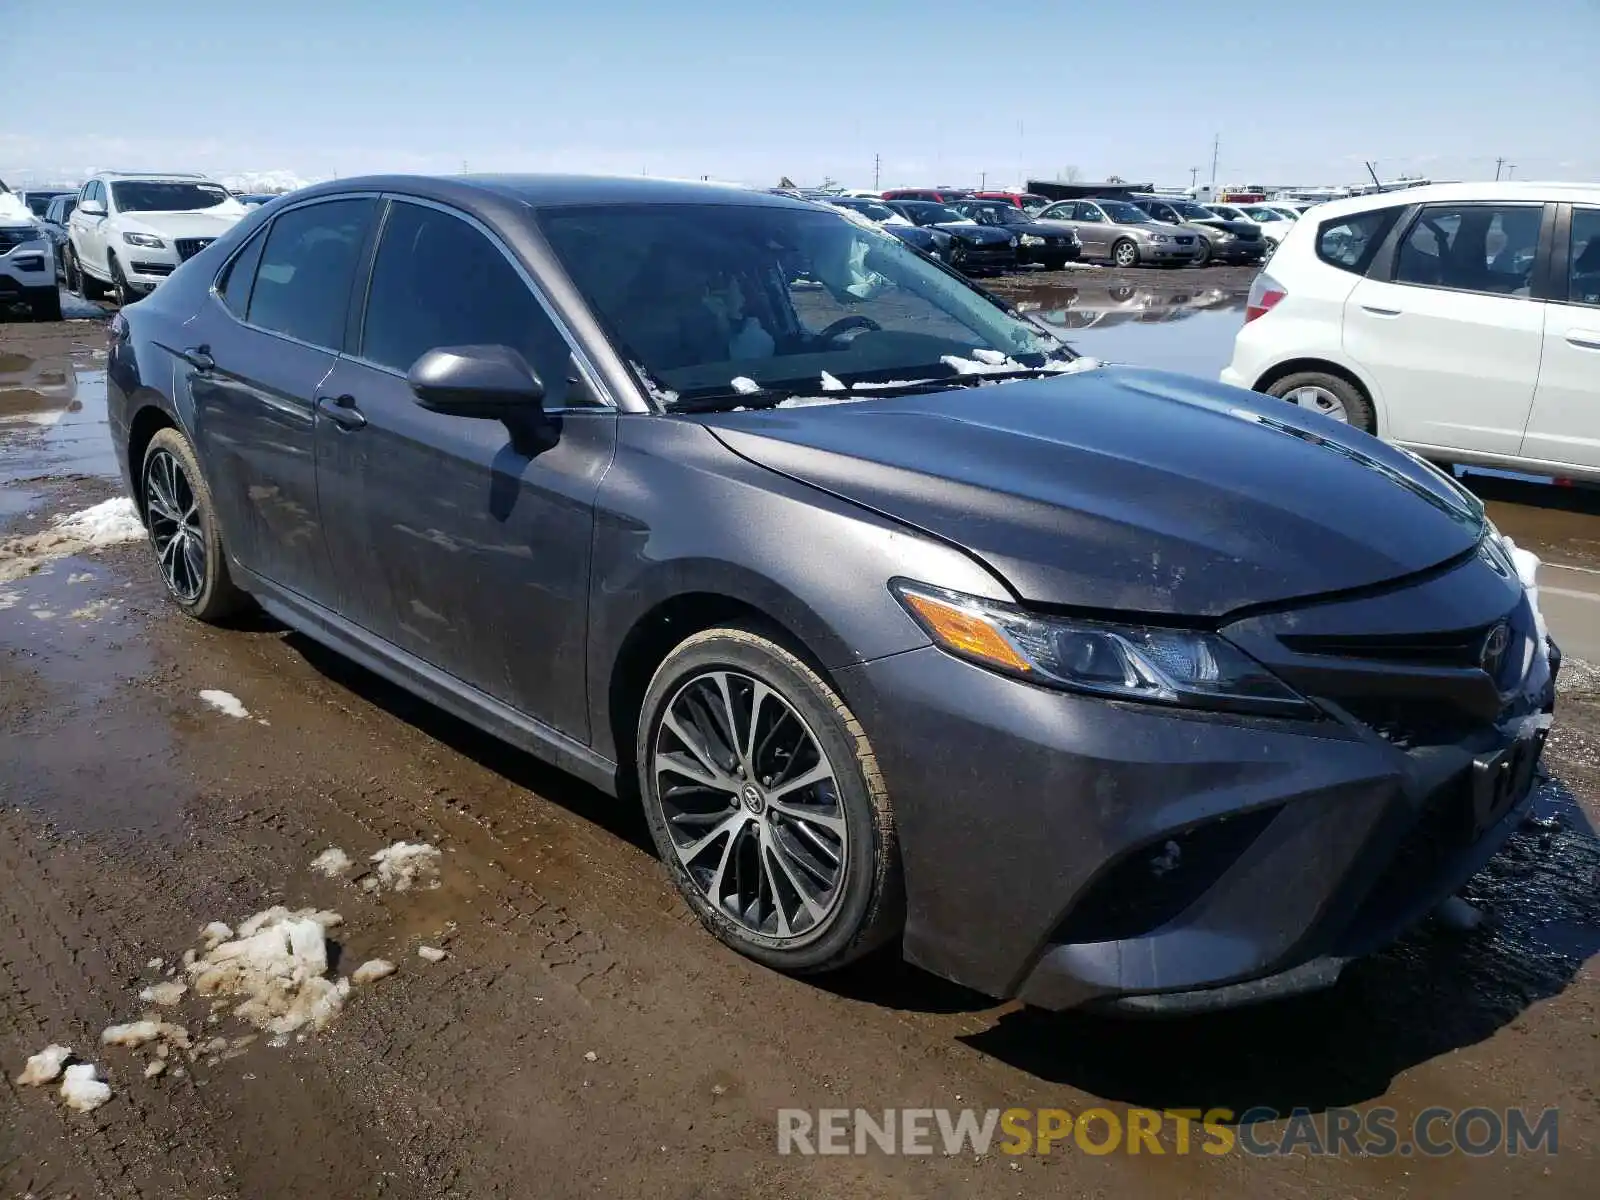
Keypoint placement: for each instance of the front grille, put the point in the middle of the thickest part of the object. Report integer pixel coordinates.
(1154, 884)
(189, 247)
(10, 239)
(1249, 235)
(1185, 239)
(153, 268)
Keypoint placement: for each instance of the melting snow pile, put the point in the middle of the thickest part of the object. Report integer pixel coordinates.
(107, 524)
(404, 865)
(278, 964)
(81, 1090)
(225, 702)
(332, 862)
(44, 1066)
(371, 971)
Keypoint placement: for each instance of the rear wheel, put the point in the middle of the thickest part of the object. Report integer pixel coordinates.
(1326, 394)
(764, 799)
(182, 522)
(1125, 253)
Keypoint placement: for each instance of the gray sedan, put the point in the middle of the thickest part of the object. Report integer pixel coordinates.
(1123, 233)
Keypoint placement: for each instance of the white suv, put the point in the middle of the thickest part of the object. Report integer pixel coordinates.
(129, 232)
(27, 260)
(1459, 320)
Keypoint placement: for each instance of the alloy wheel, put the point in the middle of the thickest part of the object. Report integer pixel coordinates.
(1319, 399)
(752, 805)
(1126, 255)
(173, 516)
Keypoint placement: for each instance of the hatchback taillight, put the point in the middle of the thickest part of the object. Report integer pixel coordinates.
(1265, 293)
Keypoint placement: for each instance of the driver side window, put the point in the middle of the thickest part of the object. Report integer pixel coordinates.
(1088, 212)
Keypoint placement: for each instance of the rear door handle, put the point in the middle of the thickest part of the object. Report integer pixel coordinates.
(200, 358)
(1588, 339)
(342, 411)
(1380, 312)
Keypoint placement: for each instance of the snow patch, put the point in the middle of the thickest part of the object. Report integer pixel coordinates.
(140, 1033)
(225, 702)
(210, 937)
(431, 954)
(831, 383)
(44, 1066)
(404, 865)
(744, 385)
(110, 523)
(371, 971)
(277, 966)
(164, 994)
(157, 1065)
(1527, 564)
(81, 1090)
(332, 862)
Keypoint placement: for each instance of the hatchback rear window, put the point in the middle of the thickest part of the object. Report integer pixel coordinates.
(1350, 242)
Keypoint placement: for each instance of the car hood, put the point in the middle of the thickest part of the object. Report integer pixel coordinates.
(181, 224)
(982, 235)
(1127, 490)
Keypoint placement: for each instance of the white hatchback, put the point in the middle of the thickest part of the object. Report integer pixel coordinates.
(1459, 320)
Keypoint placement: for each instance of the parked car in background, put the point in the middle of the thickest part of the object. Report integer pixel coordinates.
(1431, 318)
(1073, 683)
(973, 247)
(1219, 240)
(929, 195)
(130, 231)
(1123, 233)
(38, 199)
(1274, 225)
(1027, 201)
(55, 220)
(1051, 244)
(935, 243)
(27, 264)
(255, 199)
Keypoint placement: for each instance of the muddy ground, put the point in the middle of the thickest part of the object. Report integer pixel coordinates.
(584, 1036)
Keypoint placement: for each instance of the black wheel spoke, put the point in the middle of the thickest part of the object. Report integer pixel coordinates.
(173, 513)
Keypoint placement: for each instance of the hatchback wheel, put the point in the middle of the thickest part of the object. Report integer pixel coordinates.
(1125, 254)
(1202, 256)
(182, 522)
(764, 799)
(1326, 394)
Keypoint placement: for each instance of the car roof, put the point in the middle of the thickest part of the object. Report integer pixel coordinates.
(151, 175)
(555, 191)
(1435, 193)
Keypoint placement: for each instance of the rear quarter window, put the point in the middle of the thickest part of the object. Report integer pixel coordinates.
(1350, 242)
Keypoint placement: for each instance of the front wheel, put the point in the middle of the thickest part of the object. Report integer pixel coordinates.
(1326, 394)
(45, 304)
(1202, 256)
(1125, 254)
(121, 292)
(765, 801)
(182, 522)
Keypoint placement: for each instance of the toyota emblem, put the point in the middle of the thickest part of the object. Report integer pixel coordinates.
(1495, 643)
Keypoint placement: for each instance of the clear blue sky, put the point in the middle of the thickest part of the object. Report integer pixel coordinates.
(942, 89)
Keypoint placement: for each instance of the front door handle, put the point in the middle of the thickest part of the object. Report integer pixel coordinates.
(200, 358)
(1380, 312)
(342, 411)
(1588, 339)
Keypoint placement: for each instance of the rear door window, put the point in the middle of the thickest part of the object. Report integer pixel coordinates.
(234, 286)
(1488, 248)
(302, 283)
(1583, 277)
(1350, 242)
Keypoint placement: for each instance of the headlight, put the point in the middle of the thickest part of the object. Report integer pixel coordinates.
(144, 239)
(1128, 662)
(1159, 237)
(1224, 235)
(1029, 239)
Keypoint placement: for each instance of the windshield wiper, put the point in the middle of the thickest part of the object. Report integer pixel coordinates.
(730, 399)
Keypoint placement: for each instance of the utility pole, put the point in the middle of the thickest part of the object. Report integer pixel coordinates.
(1194, 176)
(1216, 150)
(877, 171)
(1498, 163)
(983, 181)
(1511, 170)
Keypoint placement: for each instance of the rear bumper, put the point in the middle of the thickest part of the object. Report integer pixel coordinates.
(1074, 852)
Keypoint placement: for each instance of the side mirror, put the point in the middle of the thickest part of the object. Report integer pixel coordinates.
(92, 208)
(491, 383)
(488, 382)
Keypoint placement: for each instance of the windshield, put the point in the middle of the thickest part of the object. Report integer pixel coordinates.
(1193, 212)
(1124, 213)
(723, 301)
(933, 214)
(149, 195)
(878, 212)
(1228, 214)
(994, 214)
(38, 202)
(1264, 214)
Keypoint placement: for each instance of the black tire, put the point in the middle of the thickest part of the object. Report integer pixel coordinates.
(92, 288)
(217, 596)
(120, 291)
(1202, 256)
(1357, 405)
(45, 304)
(73, 272)
(1055, 264)
(1124, 253)
(867, 904)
